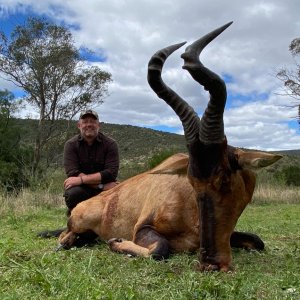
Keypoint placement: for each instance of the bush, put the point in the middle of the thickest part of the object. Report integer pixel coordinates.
(15, 157)
(14, 166)
(290, 175)
(157, 158)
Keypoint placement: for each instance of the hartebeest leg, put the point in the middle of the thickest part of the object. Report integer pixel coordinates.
(127, 247)
(147, 242)
(78, 234)
(66, 239)
(157, 244)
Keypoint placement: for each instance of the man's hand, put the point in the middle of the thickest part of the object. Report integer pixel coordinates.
(77, 180)
(109, 185)
(72, 181)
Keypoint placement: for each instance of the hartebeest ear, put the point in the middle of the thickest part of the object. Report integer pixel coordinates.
(256, 159)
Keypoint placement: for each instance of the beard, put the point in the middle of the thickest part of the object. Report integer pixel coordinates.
(89, 133)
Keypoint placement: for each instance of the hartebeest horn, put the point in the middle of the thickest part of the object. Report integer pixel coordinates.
(212, 128)
(185, 112)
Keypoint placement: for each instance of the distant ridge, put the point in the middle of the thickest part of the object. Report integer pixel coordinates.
(135, 143)
(139, 142)
(288, 152)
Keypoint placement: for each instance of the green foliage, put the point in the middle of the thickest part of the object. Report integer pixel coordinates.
(137, 144)
(13, 170)
(15, 158)
(290, 175)
(158, 157)
(285, 172)
(51, 181)
(268, 177)
(130, 169)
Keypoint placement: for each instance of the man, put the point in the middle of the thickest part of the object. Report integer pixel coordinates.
(91, 161)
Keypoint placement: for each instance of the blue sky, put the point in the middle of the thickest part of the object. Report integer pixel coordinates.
(10, 20)
(124, 34)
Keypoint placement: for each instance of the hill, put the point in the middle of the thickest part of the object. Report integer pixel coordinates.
(136, 144)
(289, 152)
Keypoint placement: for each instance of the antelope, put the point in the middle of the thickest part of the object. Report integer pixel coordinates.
(190, 202)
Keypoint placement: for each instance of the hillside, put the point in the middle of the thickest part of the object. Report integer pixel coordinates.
(289, 152)
(136, 144)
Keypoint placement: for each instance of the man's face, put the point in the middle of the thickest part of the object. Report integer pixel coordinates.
(89, 127)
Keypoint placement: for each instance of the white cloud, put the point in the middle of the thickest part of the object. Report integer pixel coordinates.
(250, 51)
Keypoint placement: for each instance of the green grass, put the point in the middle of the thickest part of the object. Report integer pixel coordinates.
(30, 269)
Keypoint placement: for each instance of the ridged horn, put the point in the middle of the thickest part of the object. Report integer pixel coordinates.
(187, 115)
(211, 128)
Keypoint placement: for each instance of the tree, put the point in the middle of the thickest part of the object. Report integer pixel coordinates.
(40, 58)
(291, 77)
(14, 157)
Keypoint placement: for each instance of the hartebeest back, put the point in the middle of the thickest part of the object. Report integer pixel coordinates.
(188, 202)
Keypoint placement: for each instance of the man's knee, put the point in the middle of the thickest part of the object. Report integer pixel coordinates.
(77, 194)
(74, 195)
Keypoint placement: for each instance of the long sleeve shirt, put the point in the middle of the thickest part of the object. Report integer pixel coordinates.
(102, 156)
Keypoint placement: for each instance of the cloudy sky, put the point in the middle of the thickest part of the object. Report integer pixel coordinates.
(247, 55)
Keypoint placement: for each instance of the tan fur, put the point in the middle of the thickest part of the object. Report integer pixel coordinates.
(186, 203)
(164, 199)
(168, 198)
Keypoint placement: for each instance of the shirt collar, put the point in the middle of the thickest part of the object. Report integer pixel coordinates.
(98, 138)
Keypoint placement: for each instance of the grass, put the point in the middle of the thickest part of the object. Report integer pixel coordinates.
(30, 269)
(269, 193)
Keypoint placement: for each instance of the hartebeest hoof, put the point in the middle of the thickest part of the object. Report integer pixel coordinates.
(114, 243)
(206, 267)
(115, 240)
(51, 233)
(59, 247)
(66, 240)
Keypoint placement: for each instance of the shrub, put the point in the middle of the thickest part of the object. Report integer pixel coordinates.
(15, 163)
(158, 157)
(290, 175)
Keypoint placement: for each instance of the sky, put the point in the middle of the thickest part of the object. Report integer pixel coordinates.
(124, 35)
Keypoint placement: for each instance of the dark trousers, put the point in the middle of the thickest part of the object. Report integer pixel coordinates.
(73, 196)
(77, 194)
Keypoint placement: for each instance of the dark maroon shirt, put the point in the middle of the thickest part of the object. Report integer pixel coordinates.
(102, 156)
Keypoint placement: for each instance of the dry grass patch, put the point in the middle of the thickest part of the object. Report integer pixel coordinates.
(29, 201)
(265, 193)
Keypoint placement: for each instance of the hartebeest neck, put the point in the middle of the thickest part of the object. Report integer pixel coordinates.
(205, 160)
(210, 173)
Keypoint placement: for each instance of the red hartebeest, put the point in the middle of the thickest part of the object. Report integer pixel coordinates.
(188, 202)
